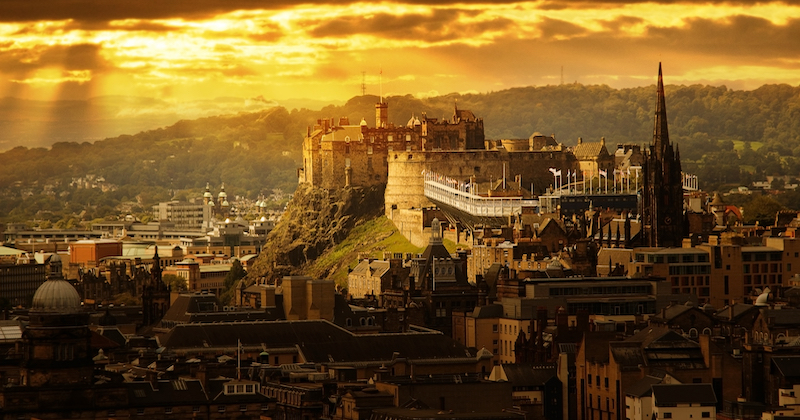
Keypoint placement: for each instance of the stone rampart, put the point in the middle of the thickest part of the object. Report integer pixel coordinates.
(405, 184)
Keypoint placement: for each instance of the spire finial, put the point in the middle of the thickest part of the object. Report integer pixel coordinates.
(660, 132)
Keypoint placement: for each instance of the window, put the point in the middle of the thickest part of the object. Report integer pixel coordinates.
(196, 408)
(606, 382)
(221, 409)
(242, 407)
(494, 328)
(167, 410)
(590, 379)
(140, 411)
(705, 414)
(667, 415)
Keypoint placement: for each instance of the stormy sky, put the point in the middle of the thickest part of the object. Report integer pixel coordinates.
(202, 49)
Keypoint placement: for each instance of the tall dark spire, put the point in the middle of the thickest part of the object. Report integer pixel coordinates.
(660, 132)
(155, 272)
(662, 193)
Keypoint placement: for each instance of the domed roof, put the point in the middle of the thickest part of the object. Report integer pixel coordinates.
(363, 122)
(225, 203)
(222, 192)
(56, 295)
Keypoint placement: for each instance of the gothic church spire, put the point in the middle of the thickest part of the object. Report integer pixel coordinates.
(660, 132)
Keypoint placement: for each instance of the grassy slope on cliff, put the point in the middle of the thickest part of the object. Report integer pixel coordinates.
(323, 232)
(373, 237)
(315, 221)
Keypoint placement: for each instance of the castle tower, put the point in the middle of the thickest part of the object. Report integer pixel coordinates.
(662, 192)
(381, 114)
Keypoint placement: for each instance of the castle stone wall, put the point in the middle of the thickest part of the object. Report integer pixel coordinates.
(405, 182)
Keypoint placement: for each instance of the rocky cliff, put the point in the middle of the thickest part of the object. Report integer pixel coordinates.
(315, 220)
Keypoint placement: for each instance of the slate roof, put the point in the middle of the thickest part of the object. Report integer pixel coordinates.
(528, 375)
(589, 150)
(642, 387)
(787, 366)
(464, 114)
(731, 312)
(340, 133)
(189, 308)
(376, 268)
(488, 311)
(597, 345)
(782, 317)
(660, 346)
(319, 341)
(667, 395)
(168, 393)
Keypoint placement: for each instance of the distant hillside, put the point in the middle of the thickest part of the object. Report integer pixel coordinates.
(726, 137)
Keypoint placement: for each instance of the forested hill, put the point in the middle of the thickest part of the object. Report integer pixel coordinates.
(725, 136)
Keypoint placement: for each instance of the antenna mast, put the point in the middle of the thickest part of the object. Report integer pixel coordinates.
(363, 83)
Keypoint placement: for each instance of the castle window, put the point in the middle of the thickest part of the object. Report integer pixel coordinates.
(347, 149)
(372, 139)
(390, 138)
(347, 139)
(369, 150)
(408, 137)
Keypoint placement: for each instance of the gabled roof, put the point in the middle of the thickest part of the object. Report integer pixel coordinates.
(585, 150)
(669, 395)
(596, 344)
(488, 311)
(643, 387)
(375, 268)
(787, 366)
(342, 133)
(786, 317)
(734, 311)
(528, 375)
(663, 347)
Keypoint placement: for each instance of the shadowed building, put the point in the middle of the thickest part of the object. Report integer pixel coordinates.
(662, 195)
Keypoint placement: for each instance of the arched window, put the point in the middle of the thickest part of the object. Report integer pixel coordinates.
(693, 333)
(706, 331)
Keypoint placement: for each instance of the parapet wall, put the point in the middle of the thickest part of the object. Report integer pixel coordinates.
(405, 182)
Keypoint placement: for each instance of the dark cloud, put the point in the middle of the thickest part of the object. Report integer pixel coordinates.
(554, 28)
(440, 25)
(66, 57)
(129, 26)
(621, 22)
(105, 10)
(614, 4)
(739, 36)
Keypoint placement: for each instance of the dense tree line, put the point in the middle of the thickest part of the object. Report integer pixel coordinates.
(726, 137)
